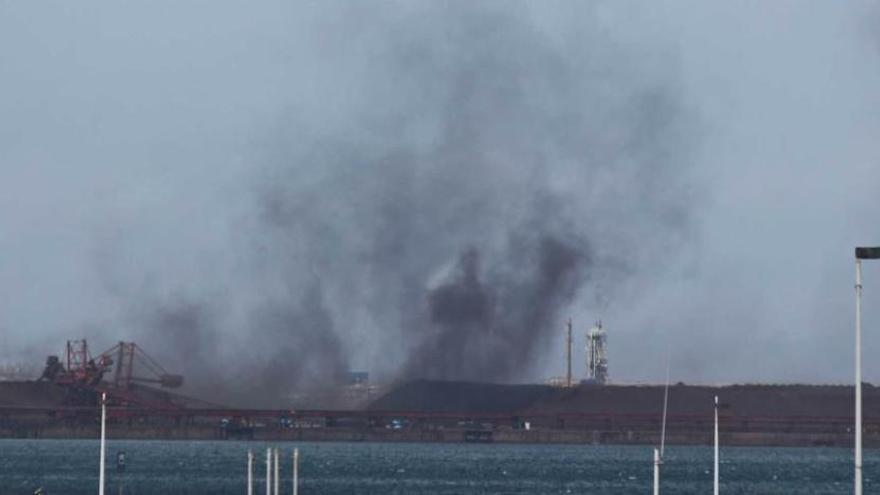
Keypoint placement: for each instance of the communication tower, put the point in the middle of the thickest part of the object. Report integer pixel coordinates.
(597, 359)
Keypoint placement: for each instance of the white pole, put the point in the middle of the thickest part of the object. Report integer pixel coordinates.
(103, 441)
(658, 455)
(250, 473)
(656, 472)
(276, 471)
(716, 446)
(269, 471)
(665, 406)
(295, 471)
(858, 427)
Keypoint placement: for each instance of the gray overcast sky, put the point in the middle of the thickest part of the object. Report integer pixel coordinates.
(138, 141)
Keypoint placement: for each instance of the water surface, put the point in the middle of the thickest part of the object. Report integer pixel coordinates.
(175, 467)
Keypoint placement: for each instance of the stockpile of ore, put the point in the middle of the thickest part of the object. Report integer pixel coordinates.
(742, 400)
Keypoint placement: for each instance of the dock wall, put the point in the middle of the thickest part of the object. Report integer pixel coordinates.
(448, 435)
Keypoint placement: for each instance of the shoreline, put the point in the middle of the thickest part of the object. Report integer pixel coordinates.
(445, 435)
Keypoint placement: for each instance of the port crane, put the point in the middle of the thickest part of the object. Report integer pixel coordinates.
(124, 371)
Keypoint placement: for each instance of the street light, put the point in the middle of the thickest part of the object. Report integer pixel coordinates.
(862, 253)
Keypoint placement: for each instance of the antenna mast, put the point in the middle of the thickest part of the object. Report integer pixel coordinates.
(568, 342)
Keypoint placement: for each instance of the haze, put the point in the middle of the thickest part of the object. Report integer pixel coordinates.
(289, 190)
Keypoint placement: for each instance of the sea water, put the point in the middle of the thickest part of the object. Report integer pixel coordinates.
(70, 467)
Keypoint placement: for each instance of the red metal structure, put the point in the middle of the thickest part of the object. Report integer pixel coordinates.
(131, 359)
(133, 371)
(79, 368)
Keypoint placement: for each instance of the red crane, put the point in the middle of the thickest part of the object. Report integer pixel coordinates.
(125, 372)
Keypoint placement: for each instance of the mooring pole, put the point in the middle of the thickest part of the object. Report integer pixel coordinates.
(715, 484)
(103, 441)
(295, 471)
(250, 473)
(656, 472)
(268, 471)
(276, 472)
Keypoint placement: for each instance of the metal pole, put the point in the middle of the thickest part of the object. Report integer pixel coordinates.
(658, 455)
(250, 473)
(269, 471)
(568, 358)
(858, 426)
(295, 471)
(656, 472)
(103, 441)
(276, 472)
(665, 407)
(716, 446)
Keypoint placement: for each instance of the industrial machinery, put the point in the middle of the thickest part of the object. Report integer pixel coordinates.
(131, 358)
(125, 372)
(597, 359)
(78, 367)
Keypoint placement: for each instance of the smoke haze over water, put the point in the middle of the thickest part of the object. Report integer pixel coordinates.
(274, 195)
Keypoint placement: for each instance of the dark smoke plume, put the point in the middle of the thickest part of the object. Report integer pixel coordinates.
(290, 346)
(488, 329)
(186, 179)
(485, 177)
(495, 171)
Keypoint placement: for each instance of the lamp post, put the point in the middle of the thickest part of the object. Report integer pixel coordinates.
(862, 253)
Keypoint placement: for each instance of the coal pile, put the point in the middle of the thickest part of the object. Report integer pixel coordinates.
(36, 394)
(31, 394)
(443, 396)
(743, 400)
(816, 401)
